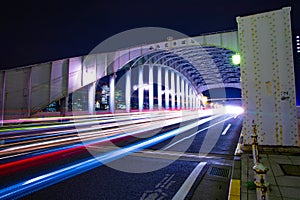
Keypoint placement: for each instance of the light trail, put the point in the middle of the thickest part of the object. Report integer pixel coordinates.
(92, 138)
(25, 187)
(33, 127)
(74, 119)
(95, 137)
(95, 123)
(49, 139)
(39, 120)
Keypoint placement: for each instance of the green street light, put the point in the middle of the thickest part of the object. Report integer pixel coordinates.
(236, 59)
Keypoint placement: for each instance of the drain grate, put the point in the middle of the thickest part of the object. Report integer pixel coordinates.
(217, 171)
(290, 170)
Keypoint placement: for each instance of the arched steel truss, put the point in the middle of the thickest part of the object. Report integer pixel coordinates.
(204, 66)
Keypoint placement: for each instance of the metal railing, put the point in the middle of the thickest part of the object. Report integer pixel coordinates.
(262, 186)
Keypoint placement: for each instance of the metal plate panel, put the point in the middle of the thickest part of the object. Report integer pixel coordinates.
(147, 48)
(75, 74)
(101, 61)
(230, 41)
(123, 57)
(198, 40)
(112, 62)
(17, 94)
(214, 39)
(40, 86)
(59, 79)
(267, 77)
(135, 52)
(89, 69)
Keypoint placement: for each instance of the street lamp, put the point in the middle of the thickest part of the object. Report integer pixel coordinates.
(236, 59)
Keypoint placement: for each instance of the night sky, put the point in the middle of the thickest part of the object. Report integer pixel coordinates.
(35, 32)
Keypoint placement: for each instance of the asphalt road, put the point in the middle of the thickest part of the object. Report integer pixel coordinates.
(194, 163)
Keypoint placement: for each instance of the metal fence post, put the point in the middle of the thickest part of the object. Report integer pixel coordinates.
(262, 186)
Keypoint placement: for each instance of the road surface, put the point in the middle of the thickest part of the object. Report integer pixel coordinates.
(157, 155)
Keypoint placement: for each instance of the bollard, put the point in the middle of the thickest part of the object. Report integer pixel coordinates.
(262, 186)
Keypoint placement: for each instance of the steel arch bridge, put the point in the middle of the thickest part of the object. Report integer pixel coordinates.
(201, 63)
(205, 67)
(198, 67)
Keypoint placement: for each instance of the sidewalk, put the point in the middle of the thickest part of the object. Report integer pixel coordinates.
(283, 175)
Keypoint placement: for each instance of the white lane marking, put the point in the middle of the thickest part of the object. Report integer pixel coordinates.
(185, 188)
(226, 129)
(200, 155)
(195, 133)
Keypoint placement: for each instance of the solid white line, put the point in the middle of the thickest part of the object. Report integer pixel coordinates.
(185, 188)
(226, 129)
(200, 155)
(195, 134)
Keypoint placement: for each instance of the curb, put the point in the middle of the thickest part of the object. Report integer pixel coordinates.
(235, 181)
(271, 149)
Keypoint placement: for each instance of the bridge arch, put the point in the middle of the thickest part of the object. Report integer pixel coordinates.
(187, 63)
(44, 83)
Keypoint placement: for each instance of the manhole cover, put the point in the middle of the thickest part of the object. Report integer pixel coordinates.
(218, 171)
(291, 170)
